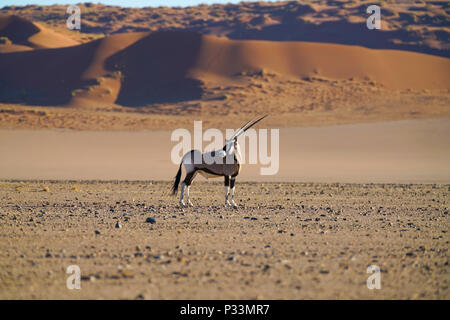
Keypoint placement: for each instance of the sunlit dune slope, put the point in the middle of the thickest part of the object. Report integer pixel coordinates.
(32, 35)
(138, 69)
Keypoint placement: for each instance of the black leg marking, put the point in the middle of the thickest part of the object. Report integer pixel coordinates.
(189, 177)
(233, 180)
(227, 181)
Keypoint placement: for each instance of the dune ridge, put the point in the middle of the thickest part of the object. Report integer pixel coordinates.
(138, 69)
(26, 35)
(420, 26)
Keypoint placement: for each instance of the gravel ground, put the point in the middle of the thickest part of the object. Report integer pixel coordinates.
(285, 241)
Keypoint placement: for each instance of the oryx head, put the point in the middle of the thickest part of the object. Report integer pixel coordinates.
(232, 145)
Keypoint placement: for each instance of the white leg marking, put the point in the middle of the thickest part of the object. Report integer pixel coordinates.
(232, 198)
(187, 197)
(183, 185)
(227, 203)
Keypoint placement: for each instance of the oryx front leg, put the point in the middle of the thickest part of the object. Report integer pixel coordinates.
(233, 180)
(227, 190)
(188, 200)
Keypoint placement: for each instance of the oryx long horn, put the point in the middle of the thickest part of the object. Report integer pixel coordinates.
(240, 130)
(248, 127)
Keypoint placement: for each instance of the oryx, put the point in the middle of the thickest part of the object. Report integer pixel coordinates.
(215, 164)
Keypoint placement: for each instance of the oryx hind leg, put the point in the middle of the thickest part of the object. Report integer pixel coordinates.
(187, 183)
(183, 186)
(189, 166)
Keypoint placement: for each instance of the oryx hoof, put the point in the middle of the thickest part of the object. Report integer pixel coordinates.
(190, 204)
(182, 204)
(234, 205)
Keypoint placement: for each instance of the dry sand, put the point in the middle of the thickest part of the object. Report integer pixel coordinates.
(143, 69)
(410, 151)
(286, 241)
(165, 67)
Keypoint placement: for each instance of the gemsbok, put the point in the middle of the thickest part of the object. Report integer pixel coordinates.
(215, 164)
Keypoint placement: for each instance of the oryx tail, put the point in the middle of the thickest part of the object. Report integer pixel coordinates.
(177, 180)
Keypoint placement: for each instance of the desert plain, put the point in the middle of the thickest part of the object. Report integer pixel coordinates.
(285, 241)
(364, 174)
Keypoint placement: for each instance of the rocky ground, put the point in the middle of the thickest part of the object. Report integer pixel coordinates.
(285, 241)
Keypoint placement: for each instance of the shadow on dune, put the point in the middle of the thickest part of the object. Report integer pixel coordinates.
(340, 32)
(155, 69)
(17, 29)
(44, 77)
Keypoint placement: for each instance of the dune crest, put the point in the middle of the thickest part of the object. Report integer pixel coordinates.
(392, 68)
(139, 69)
(22, 32)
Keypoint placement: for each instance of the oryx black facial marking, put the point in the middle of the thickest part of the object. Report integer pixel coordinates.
(227, 167)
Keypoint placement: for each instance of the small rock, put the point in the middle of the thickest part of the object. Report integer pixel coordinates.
(127, 274)
(97, 232)
(88, 278)
(150, 220)
(118, 225)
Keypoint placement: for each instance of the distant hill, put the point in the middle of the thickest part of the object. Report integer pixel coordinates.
(420, 26)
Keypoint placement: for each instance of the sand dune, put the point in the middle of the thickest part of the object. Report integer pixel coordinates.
(392, 68)
(143, 68)
(5, 48)
(34, 35)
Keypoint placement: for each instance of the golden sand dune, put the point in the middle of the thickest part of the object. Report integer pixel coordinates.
(139, 69)
(393, 68)
(32, 35)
